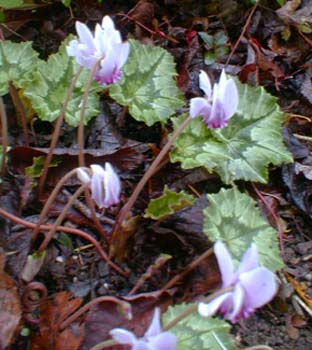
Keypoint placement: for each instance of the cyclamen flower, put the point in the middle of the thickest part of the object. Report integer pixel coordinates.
(253, 285)
(219, 104)
(104, 184)
(106, 45)
(153, 339)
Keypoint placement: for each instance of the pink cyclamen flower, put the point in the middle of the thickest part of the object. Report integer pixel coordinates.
(104, 184)
(153, 339)
(105, 46)
(253, 285)
(219, 104)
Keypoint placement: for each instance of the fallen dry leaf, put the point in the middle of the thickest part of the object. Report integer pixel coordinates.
(10, 306)
(53, 313)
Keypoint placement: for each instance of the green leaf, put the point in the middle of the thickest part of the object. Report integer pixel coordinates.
(49, 86)
(66, 2)
(220, 38)
(11, 3)
(207, 39)
(210, 57)
(196, 332)
(233, 218)
(243, 149)
(35, 170)
(147, 86)
(17, 60)
(167, 204)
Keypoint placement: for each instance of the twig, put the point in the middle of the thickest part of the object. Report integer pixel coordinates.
(242, 33)
(189, 268)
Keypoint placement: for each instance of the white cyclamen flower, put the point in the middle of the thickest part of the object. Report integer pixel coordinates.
(105, 47)
(153, 339)
(219, 104)
(104, 184)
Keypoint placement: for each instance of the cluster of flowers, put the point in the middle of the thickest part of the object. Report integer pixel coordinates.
(251, 286)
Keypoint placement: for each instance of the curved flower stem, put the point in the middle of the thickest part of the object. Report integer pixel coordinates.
(188, 269)
(65, 229)
(127, 207)
(84, 101)
(4, 134)
(95, 219)
(56, 131)
(59, 220)
(124, 306)
(48, 203)
(193, 307)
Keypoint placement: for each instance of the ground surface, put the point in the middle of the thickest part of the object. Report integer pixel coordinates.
(274, 52)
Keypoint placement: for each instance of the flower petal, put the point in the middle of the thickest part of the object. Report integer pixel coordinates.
(83, 175)
(209, 309)
(164, 341)
(123, 336)
(238, 296)
(110, 72)
(249, 260)
(111, 185)
(199, 106)
(217, 117)
(85, 36)
(260, 286)
(204, 83)
(225, 263)
(97, 184)
(155, 327)
(229, 98)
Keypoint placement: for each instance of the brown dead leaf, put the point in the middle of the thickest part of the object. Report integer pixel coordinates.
(105, 316)
(10, 306)
(53, 313)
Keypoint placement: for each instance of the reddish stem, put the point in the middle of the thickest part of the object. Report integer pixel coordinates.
(65, 229)
(127, 207)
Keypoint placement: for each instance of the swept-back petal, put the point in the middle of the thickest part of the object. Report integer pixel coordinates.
(225, 263)
(238, 296)
(259, 285)
(72, 48)
(110, 71)
(217, 117)
(121, 53)
(155, 326)
(123, 336)
(85, 36)
(222, 80)
(164, 341)
(209, 309)
(83, 175)
(200, 106)
(204, 83)
(111, 185)
(107, 23)
(229, 98)
(97, 184)
(249, 260)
